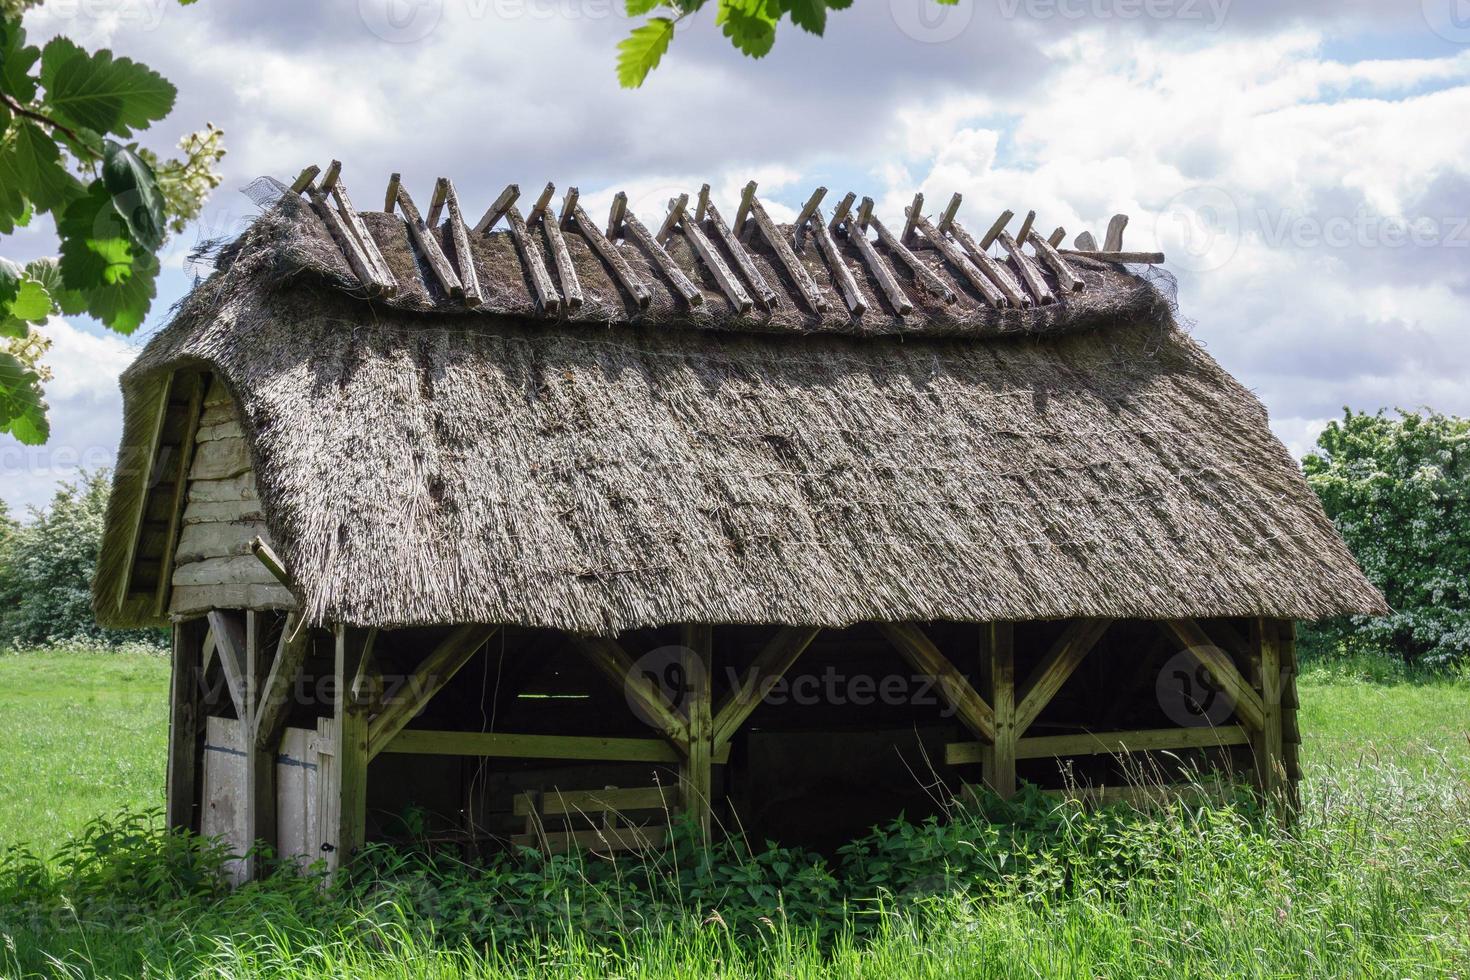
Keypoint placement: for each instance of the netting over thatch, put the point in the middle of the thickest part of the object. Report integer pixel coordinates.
(420, 466)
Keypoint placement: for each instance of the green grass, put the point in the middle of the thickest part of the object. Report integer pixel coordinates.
(81, 733)
(1374, 880)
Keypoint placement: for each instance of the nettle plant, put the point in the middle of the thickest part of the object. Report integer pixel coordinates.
(67, 122)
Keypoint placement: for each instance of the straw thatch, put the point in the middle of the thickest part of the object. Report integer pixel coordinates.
(420, 466)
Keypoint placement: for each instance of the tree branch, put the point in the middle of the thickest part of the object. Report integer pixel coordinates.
(45, 120)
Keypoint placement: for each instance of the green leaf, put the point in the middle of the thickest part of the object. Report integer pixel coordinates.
(135, 194)
(100, 92)
(749, 24)
(124, 306)
(22, 300)
(640, 51)
(95, 248)
(22, 411)
(31, 170)
(47, 271)
(809, 15)
(16, 59)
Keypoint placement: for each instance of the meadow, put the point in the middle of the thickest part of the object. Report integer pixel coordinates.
(1373, 880)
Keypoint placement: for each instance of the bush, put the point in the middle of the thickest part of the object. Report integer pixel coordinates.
(46, 569)
(1397, 490)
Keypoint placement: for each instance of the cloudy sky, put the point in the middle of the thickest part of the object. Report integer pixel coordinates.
(1305, 164)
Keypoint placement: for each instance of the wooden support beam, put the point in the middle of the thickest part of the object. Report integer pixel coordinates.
(305, 179)
(880, 269)
(805, 285)
(1026, 224)
(229, 641)
(768, 667)
(1130, 258)
(436, 204)
(566, 269)
(1114, 240)
(660, 258)
(330, 176)
(345, 788)
(366, 689)
(1030, 274)
(367, 273)
(695, 772)
(671, 220)
(703, 202)
(1067, 279)
(847, 284)
(956, 257)
(996, 227)
(710, 256)
(460, 235)
(497, 209)
(805, 215)
(387, 283)
(1008, 286)
(1047, 678)
(767, 297)
(185, 725)
(260, 759)
(428, 245)
(546, 294)
(610, 658)
(180, 494)
(926, 277)
(1105, 743)
(1248, 704)
(538, 210)
(950, 210)
(1058, 235)
(998, 761)
(436, 670)
(912, 215)
(272, 562)
(742, 211)
(615, 215)
(148, 464)
(274, 706)
(609, 253)
(921, 654)
(1267, 745)
(499, 745)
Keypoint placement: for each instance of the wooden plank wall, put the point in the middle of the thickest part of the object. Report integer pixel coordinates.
(213, 566)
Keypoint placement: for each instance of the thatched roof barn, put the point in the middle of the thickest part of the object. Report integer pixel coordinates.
(711, 425)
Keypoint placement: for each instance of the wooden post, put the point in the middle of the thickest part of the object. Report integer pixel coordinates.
(998, 762)
(696, 774)
(1267, 744)
(260, 760)
(1291, 735)
(348, 782)
(185, 725)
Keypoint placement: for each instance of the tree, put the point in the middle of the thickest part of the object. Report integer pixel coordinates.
(749, 24)
(66, 122)
(1399, 491)
(46, 569)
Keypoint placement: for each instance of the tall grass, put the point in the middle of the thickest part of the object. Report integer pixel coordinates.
(1372, 880)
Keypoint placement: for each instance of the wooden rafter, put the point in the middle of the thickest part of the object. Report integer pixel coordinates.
(639, 234)
(609, 657)
(546, 293)
(921, 653)
(470, 279)
(1113, 242)
(1028, 270)
(425, 241)
(1131, 258)
(926, 277)
(180, 495)
(805, 285)
(497, 209)
(1067, 279)
(847, 283)
(1047, 678)
(694, 235)
(768, 667)
(957, 258)
(432, 674)
(561, 256)
(1248, 704)
(621, 271)
(767, 297)
(1008, 286)
(805, 215)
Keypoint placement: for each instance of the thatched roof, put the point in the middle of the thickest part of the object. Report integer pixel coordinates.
(609, 468)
